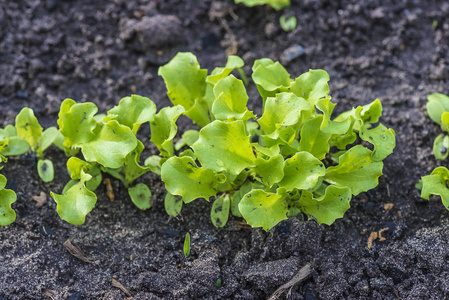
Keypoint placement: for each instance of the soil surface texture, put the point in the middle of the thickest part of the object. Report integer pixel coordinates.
(101, 51)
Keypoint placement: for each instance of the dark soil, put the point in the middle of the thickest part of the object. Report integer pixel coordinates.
(100, 51)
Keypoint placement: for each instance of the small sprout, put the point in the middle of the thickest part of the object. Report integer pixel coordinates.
(218, 283)
(187, 245)
(288, 24)
(434, 24)
(45, 170)
(140, 195)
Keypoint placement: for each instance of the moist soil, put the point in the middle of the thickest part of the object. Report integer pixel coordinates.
(101, 51)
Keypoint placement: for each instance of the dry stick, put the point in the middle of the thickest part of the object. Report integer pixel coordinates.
(302, 275)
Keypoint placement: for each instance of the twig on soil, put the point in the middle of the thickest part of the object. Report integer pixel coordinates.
(302, 275)
(51, 294)
(120, 286)
(76, 251)
(109, 189)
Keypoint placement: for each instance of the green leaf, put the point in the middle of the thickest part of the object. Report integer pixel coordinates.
(45, 170)
(111, 145)
(312, 86)
(76, 165)
(8, 131)
(288, 24)
(154, 164)
(219, 213)
(28, 127)
(356, 170)
(76, 122)
(140, 195)
(234, 62)
(441, 147)
(7, 197)
(231, 100)
(187, 245)
(302, 171)
(313, 139)
(445, 121)
(76, 203)
(49, 136)
(284, 110)
(270, 78)
(276, 4)
(133, 169)
(270, 171)
(381, 137)
(186, 85)
(224, 146)
(437, 104)
(327, 208)
(184, 178)
(15, 145)
(134, 111)
(163, 129)
(172, 204)
(437, 184)
(369, 113)
(263, 209)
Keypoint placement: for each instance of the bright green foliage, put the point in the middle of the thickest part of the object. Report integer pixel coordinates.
(220, 211)
(7, 197)
(134, 111)
(327, 208)
(173, 205)
(28, 127)
(186, 247)
(140, 195)
(282, 164)
(163, 129)
(76, 202)
(276, 4)
(437, 183)
(10, 143)
(288, 24)
(183, 177)
(224, 146)
(45, 170)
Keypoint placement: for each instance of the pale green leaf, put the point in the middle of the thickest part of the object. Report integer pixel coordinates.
(440, 147)
(49, 136)
(173, 204)
(302, 171)
(270, 78)
(219, 212)
(313, 139)
(111, 145)
(164, 129)
(28, 127)
(356, 170)
(186, 85)
(381, 137)
(7, 197)
(45, 170)
(437, 104)
(283, 110)
(437, 184)
(276, 4)
(154, 164)
(231, 100)
(327, 208)
(263, 209)
(134, 111)
(234, 62)
(224, 146)
(133, 169)
(312, 85)
(183, 177)
(270, 171)
(140, 195)
(76, 203)
(14, 145)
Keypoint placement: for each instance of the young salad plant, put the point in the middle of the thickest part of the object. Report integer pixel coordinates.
(437, 182)
(7, 197)
(276, 4)
(294, 158)
(108, 143)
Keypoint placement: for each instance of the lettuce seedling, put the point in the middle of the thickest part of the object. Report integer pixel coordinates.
(276, 4)
(27, 133)
(108, 144)
(7, 197)
(294, 158)
(438, 181)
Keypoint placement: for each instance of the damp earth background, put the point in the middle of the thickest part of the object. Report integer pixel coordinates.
(101, 51)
